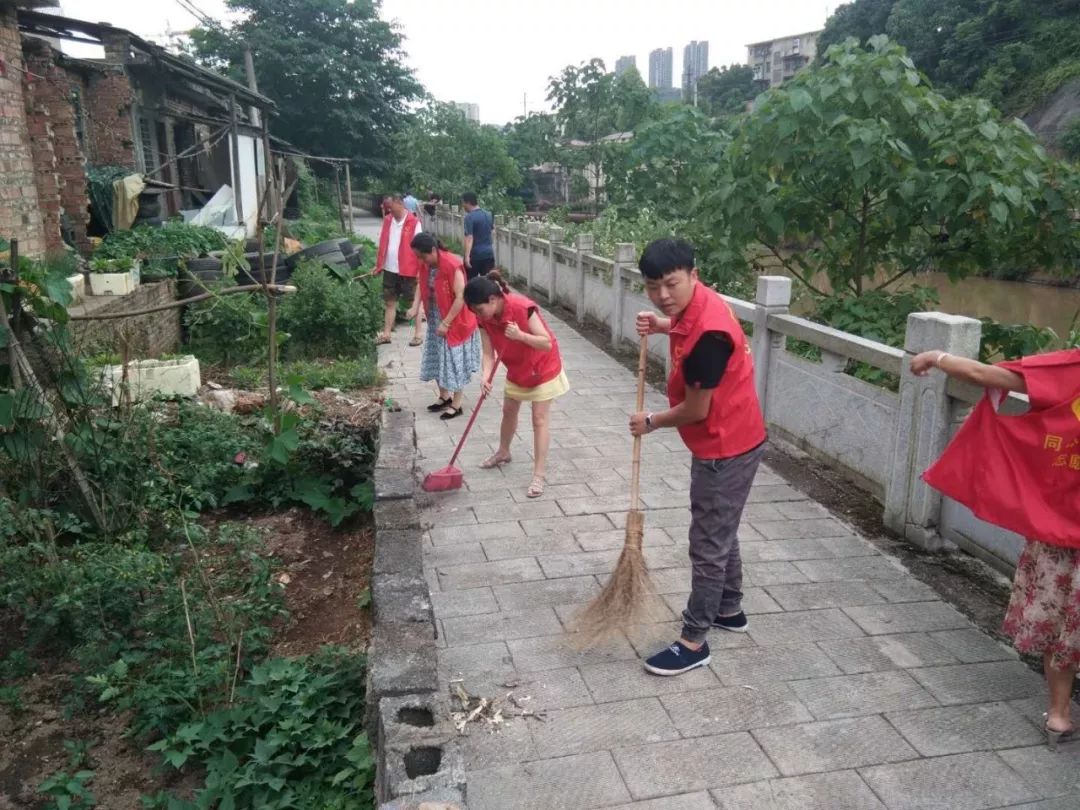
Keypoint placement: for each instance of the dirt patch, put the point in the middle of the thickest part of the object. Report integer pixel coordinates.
(34, 750)
(325, 573)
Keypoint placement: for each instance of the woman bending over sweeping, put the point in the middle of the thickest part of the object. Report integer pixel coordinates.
(1022, 472)
(452, 349)
(513, 328)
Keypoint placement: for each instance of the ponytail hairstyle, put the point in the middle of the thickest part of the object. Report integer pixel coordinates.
(483, 288)
(425, 242)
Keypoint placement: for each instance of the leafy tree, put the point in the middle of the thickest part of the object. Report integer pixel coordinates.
(443, 151)
(632, 101)
(334, 68)
(531, 140)
(590, 104)
(877, 177)
(726, 91)
(1070, 139)
(860, 19)
(1012, 52)
(661, 167)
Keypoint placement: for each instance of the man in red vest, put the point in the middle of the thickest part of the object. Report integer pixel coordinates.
(714, 406)
(399, 267)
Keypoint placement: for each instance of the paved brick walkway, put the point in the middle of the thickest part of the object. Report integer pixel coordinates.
(856, 688)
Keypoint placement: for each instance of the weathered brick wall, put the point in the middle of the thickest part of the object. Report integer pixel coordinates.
(19, 211)
(109, 98)
(36, 97)
(59, 165)
(149, 335)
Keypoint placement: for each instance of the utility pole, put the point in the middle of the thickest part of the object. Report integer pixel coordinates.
(524, 105)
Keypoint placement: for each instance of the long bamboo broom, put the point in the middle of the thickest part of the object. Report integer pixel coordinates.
(622, 601)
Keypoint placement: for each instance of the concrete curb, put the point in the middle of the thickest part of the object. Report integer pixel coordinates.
(419, 763)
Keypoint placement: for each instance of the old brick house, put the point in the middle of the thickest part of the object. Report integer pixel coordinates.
(186, 128)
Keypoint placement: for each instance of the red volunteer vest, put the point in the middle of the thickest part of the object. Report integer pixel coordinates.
(464, 324)
(1022, 472)
(525, 366)
(734, 425)
(408, 265)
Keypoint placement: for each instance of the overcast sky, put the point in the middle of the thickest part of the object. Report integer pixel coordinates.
(499, 55)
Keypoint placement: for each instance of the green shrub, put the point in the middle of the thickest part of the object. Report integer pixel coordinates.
(228, 329)
(67, 791)
(174, 238)
(315, 375)
(165, 671)
(327, 317)
(1070, 138)
(1002, 341)
(291, 739)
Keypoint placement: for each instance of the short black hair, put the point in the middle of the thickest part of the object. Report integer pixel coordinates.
(424, 242)
(663, 256)
(469, 197)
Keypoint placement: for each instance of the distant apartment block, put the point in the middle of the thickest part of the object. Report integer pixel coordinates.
(661, 62)
(695, 64)
(776, 61)
(471, 111)
(624, 63)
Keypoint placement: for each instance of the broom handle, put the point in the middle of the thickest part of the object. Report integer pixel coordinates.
(476, 410)
(635, 468)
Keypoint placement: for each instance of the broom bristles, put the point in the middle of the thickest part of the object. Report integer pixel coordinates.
(622, 601)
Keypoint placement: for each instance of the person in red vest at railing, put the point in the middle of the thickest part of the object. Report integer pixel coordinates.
(1022, 472)
(714, 406)
(399, 267)
(452, 349)
(515, 332)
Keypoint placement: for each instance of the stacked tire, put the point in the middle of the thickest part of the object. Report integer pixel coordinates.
(328, 253)
(198, 277)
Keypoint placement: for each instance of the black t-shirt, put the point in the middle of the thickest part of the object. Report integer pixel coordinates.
(708, 360)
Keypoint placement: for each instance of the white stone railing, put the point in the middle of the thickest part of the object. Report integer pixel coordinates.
(883, 439)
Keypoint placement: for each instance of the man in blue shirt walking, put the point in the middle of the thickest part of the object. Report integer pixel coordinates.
(479, 252)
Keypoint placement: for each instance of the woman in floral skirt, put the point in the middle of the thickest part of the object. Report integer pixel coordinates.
(452, 349)
(1022, 472)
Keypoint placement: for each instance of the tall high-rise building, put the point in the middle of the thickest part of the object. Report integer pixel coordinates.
(660, 68)
(624, 63)
(471, 111)
(695, 65)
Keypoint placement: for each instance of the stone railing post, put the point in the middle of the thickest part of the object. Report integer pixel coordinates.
(556, 236)
(584, 244)
(457, 228)
(532, 229)
(624, 260)
(912, 508)
(445, 222)
(496, 235)
(773, 298)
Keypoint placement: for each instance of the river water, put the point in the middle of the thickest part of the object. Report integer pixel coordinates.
(1007, 301)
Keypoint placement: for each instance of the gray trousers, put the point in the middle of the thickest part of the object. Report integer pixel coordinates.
(718, 492)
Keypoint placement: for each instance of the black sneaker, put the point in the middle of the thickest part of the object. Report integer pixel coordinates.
(677, 659)
(736, 623)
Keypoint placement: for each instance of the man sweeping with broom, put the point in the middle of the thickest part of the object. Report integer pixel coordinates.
(715, 408)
